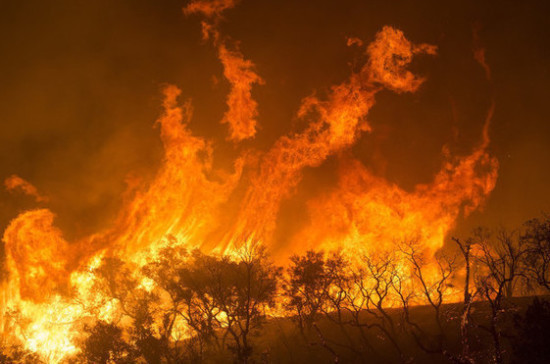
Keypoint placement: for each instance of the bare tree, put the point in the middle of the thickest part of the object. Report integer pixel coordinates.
(432, 281)
(352, 294)
(536, 238)
(500, 267)
(374, 283)
(465, 321)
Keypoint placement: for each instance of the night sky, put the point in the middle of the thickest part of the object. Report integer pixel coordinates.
(81, 88)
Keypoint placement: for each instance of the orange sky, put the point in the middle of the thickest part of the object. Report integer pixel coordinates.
(81, 87)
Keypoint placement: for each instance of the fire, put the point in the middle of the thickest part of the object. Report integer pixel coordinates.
(50, 332)
(50, 287)
(15, 183)
(366, 211)
(242, 108)
(335, 124)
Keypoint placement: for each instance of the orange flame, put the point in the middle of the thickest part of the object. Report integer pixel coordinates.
(479, 51)
(366, 211)
(15, 183)
(209, 8)
(243, 109)
(336, 124)
(239, 72)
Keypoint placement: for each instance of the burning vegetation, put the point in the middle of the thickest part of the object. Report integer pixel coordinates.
(187, 272)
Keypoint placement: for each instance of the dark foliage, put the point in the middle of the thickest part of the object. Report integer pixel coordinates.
(532, 340)
(104, 344)
(10, 354)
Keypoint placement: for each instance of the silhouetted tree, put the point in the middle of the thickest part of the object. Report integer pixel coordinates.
(16, 354)
(431, 279)
(378, 273)
(501, 266)
(312, 293)
(536, 238)
(339, 295)
(349, 293)
(183, 328)
(307, 287)
(104, 344)
(466, 320)
(117, 281)
(221, 299)
(251, 287)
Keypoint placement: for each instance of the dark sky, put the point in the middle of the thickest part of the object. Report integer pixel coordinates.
(80, 86)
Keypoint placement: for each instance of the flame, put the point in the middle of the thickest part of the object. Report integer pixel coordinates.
(369, 212)
(389, 56)
(239, 72)
(185, 198)
(192, 204)
(209, 8)
(479, 51)
(15, 183)
(242, 112)
(336, 123)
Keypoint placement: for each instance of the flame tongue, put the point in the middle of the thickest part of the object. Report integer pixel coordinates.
(368, 212)
(38, 255)
(185, 202)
